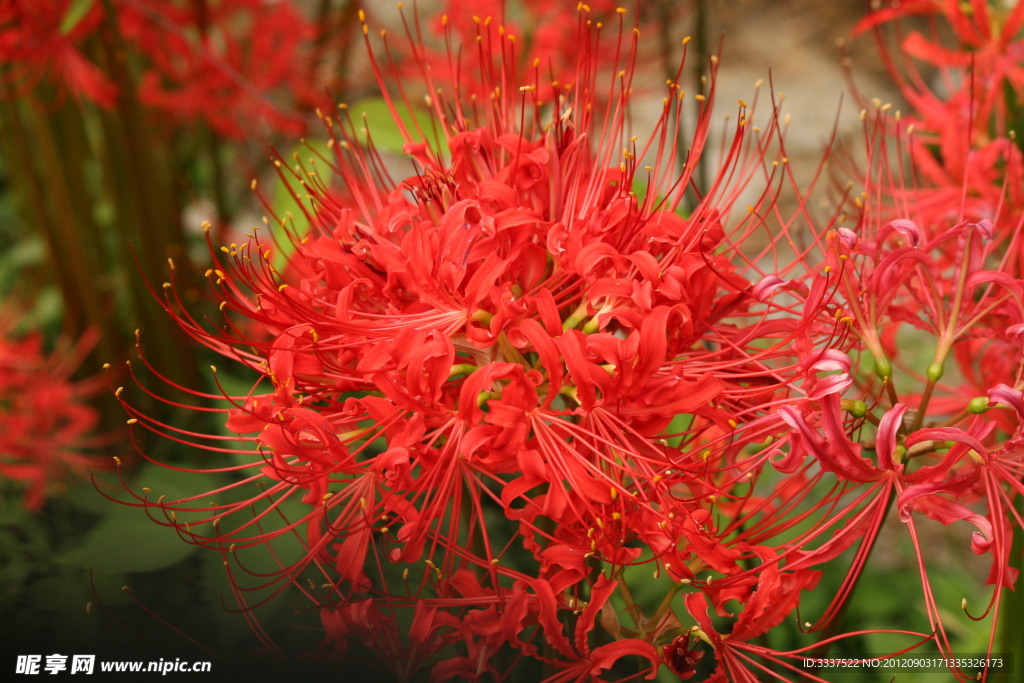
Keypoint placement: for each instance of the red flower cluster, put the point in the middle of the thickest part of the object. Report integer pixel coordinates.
(537, 39)
(46, 423)
(963, 118)
(207, 60)
(493, 386)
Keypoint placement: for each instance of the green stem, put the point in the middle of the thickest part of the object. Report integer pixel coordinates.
(148, 214)
(1012, 609)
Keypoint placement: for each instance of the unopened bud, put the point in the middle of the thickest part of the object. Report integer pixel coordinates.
(978, 405)
(855, 408)
(883, 368)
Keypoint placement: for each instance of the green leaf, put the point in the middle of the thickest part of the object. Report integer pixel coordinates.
(260, 570)
(127, 539)
(679, 424)
(73, 17)
(384, 130)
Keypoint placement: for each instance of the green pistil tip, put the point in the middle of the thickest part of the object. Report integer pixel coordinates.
(978, 405)
(935, 371)
(462, 369)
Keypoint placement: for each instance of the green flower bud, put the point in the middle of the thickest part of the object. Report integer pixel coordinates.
(883, 368)
(978, 405)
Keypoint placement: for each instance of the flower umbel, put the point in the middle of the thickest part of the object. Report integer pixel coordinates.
(47, 426)
(507, 369)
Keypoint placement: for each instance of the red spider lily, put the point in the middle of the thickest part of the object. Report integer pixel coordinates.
(210, 60)
(912, 440)
(199, 60)
(539, 33)
(740, 660)
(578, 660)
(491, 385)
(47, 426)
(511, 329)
(987, 40)
(33, 48)
(963, 120)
